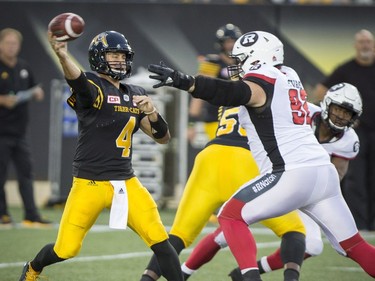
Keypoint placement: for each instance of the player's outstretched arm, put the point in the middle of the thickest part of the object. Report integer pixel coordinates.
(215, 91)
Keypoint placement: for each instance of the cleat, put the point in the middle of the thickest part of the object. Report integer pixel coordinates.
(236, 275)
(37, 223)
(6, 222)
(28, 273)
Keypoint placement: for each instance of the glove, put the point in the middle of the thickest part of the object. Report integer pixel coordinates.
(170, 77)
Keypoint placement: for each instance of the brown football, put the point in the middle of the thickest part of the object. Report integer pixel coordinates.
(66, 26)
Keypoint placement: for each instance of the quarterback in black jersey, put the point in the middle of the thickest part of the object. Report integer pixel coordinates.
(109, 113)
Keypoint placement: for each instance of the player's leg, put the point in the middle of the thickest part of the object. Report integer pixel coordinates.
(290, 255)
(85, 202)
(145, 220)
(22, 163)
(5, 152)
(203, 252)
(292, 250)
(335, 219)
(231, 162)
(265, 197)
(314, 246)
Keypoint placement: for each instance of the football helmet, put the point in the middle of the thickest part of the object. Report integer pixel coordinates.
(228, 31)
(256, 47)
(344, 95)
(111, 41)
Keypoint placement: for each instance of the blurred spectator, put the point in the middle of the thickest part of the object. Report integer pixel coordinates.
(359, 184)
(17, 88)
(203, 117)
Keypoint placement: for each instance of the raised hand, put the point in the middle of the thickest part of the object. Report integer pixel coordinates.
(170, 77)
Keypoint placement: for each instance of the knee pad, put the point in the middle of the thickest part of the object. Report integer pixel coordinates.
(293, 246)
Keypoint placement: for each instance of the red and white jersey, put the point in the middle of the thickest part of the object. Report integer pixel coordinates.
(344, 145)
(279, 133)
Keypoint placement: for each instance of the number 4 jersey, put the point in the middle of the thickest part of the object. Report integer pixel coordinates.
(279, 132)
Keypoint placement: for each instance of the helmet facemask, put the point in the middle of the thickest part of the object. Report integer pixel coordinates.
(235, 71)
(340, 117)
(117, 69)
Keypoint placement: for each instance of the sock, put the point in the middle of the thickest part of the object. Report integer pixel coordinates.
(153, 267)
(361, 252)
(273, 261)
(239, 237)
(168, 260)
(290, 274)
(203, 252)
(45, 257)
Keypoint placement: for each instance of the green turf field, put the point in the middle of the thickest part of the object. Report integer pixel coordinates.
(120, 255)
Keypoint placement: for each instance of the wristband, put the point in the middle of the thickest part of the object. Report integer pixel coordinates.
(150, 112)
(159, 127)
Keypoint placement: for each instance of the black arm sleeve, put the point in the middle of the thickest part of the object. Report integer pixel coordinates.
(221, 92)
(85, 92)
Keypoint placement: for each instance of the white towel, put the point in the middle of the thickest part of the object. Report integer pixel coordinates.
(118, 217)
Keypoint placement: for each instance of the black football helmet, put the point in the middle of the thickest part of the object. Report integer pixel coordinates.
(228, 31)
(110, 41)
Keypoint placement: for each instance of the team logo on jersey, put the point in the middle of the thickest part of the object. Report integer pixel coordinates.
(114, 99)
(126, 97)
(356, 146)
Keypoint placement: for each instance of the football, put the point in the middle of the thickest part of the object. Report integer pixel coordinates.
(66, 26)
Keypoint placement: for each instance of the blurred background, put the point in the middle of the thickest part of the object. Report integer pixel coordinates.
(318, 35)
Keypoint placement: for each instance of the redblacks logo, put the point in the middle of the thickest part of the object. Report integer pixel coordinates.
(114, 99)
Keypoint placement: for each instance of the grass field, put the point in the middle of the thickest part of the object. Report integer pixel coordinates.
(121, 255)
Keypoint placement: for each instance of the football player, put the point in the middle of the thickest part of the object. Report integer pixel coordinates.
(332, 126)
(109, 113)
(295, 170)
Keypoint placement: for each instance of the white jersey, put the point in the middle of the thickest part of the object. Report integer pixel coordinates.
(344, 145)
(279, 133)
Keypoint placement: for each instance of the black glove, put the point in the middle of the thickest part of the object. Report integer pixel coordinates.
(170, 77)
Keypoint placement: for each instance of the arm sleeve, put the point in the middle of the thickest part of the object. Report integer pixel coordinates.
(221, 92)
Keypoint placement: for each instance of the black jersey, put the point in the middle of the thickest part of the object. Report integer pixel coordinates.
(13, 122)
(107, 120)
(229, 131)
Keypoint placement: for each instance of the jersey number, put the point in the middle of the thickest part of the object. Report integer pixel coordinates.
(228, 123)
(124, 139)
(300, 109)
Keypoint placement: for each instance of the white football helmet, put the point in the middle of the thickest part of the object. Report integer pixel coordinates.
(344, 95)
(256, 47)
